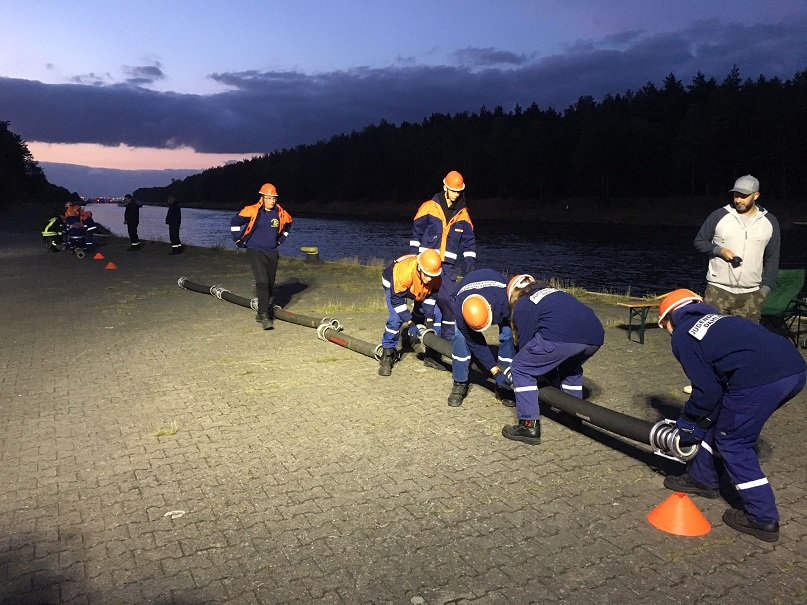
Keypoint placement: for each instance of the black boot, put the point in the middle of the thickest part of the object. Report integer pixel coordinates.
(432, 360)
(738, 519)
(458, 393)
(526, 431)
(386, 361)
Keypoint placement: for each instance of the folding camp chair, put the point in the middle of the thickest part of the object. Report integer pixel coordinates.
(784, 311)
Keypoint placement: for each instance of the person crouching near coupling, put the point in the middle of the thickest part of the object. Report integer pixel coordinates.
(741, 373)
(481, 302)
(416, 277)
(553, 332)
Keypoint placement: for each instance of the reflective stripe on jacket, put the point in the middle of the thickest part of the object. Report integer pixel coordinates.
(403, 280)
(452, 238)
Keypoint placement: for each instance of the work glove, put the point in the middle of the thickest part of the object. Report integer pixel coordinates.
(414, 331)
(689, 431)
(502, 381)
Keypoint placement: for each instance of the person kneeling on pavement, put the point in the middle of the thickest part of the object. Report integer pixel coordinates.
(481, 302)
(414, 277)
(741, 373)
(554, 333)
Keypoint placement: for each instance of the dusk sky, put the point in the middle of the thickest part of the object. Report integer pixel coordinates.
(191, 85)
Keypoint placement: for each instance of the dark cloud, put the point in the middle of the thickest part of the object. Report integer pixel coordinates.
(488, 57)
(92, 79)
(269, 110)
(143, 74)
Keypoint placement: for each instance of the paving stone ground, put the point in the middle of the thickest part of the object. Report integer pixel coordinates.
(298, 475)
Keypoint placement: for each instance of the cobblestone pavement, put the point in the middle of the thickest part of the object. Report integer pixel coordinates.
(297, 475)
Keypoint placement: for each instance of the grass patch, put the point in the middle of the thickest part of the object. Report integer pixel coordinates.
(170, 430)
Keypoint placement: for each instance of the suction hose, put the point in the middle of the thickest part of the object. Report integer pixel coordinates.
(328, 328)
(662, 436)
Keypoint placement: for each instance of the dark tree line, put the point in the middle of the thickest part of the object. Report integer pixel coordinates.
(672, 140)
(21, 178)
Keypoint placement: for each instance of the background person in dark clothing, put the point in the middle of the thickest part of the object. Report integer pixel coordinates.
(173, 218)
(261, 228)
(131, 218)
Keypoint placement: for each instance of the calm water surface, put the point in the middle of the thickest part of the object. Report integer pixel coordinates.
(644, 260)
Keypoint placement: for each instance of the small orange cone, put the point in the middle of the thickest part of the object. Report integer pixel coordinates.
(111, 265)
(98, 256)
(678, 515)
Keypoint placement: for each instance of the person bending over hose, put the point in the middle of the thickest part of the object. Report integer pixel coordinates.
(741, 373)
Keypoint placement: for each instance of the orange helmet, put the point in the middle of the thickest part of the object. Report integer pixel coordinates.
(454, 181)
(675, 299)
(430, 263)
(519, 281)
(268, 189)
(477, 312)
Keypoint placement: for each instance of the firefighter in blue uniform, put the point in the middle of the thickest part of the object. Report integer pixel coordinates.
(481, 302)
(741, 373)
(413, 277)
(444, 224)
(554, 334)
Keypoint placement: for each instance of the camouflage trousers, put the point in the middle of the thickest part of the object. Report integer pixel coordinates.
(748, 305)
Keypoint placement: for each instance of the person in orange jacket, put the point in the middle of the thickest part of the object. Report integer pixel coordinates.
(443, 223)
(416, 277)
(261, 228)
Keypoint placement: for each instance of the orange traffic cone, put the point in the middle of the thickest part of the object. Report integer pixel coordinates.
(678, 515)
(111, 265)
(98, 256)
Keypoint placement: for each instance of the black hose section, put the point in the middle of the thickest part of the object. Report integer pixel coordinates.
(235, 299)
(434, 342)
(349, 342)
(184, 282)
(610, 420)
(295, 318)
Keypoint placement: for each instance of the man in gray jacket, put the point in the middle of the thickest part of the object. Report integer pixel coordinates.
(742, 241)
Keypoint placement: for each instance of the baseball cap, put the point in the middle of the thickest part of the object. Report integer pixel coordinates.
(745, 185)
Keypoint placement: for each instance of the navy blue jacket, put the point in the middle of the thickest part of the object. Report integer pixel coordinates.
(721, 353)
(557, 316)
(492, 286)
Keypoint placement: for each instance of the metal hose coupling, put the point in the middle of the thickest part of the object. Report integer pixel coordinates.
(253, 304)
(322, 328)
(665, 437)
(333, 323)
(217, 290)
(379, 351)
(181, 282)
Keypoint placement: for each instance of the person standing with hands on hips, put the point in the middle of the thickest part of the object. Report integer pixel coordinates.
(741, 374)
(261, 228)
(173, 219)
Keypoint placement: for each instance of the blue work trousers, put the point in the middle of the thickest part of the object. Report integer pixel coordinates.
(391, 332)
(730, 442)
(539, 357)
(461, 354)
